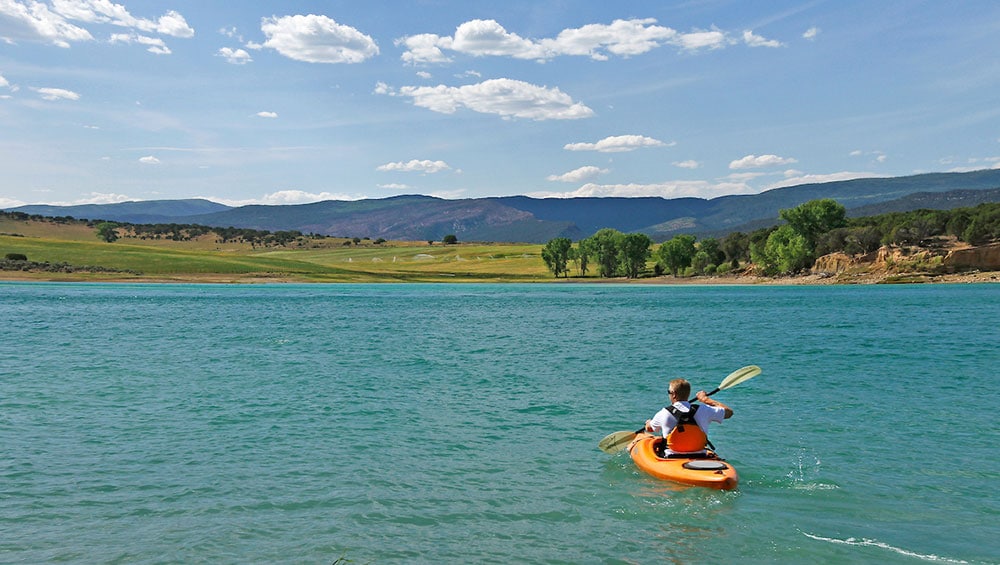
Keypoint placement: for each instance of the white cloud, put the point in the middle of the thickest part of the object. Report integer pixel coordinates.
(714, 39)
(579, 175)
(877, 156)
(747, 177)
(424, 48)
(106, 12)
(487, 37)
(36, 22)
(622, 38)
(817, 179)
(811, 33)
(267, 115)
(415, 166)
(149, 160)
(754, 40)
(394, 186)
(972, 164)
(156, 45)
(666, 189)
(757, 161)
(317, 39)
(285, 197)
(173, 24)
(616, 144)
(448, 194)
(689, 164)
(505, 97)
(10, 203)
(92, 198)
(103, 198)
(57, 94)
(235, 56)
(296, 197)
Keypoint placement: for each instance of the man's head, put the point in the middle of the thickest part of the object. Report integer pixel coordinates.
(679, 389)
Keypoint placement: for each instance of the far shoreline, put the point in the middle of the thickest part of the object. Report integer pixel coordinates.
(735, 280)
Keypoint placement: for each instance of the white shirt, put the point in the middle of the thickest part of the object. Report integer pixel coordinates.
(665, 422)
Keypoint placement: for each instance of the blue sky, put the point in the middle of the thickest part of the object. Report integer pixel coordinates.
(285, 102)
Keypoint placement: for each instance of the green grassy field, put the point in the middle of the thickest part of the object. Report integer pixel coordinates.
(322, 260)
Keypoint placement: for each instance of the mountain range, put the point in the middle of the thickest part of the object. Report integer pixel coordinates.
(537, 220)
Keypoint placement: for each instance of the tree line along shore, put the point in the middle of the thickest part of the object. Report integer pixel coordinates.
(809, 231)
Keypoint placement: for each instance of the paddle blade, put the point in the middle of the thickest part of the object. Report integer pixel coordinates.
(613, 443)
(739, 375)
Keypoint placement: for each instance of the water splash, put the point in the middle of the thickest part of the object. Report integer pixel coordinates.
(804, 475)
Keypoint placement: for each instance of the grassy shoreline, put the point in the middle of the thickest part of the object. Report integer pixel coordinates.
(356, 278)
(332, 260)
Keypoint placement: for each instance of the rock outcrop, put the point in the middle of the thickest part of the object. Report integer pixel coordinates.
(984, 258)
(947, 258)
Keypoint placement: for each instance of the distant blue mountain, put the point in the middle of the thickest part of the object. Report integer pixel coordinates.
(537, 220)
(139, 212)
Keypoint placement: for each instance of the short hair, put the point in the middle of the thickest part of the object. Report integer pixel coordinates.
(681, 388)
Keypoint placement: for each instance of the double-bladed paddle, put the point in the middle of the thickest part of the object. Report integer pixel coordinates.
(613, 443)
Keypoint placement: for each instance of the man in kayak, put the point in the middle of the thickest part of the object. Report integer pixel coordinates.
(683, 425)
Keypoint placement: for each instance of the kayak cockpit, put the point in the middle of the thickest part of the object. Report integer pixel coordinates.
(704, 470)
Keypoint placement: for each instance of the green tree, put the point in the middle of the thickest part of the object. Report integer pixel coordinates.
(581, 255)
(713, 249)
(786, 252)
(832, 241)
(736, 246)
(814, 218)
(605, 245)
(700, 262)
(863, 240)
(979, 231)
(904, 234)
(958, 222)
(107, 232)
(633, 254)
(450, 239)
(676, 254)
(556, 255)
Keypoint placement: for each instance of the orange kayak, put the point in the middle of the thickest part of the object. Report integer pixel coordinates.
(703, 471)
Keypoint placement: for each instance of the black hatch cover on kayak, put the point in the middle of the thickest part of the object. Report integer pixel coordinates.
(703, 465)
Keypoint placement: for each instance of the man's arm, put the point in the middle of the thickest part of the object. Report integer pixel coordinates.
(707, 401)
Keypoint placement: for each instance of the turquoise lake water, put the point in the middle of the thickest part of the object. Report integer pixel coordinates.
(459, 423)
